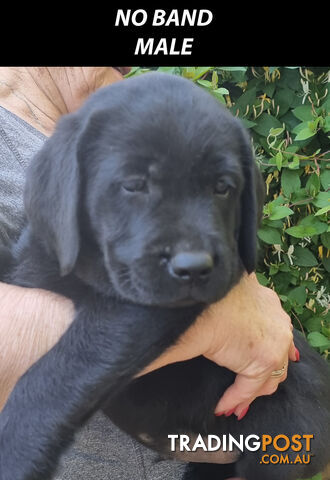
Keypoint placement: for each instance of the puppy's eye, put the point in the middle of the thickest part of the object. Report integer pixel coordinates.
(222, 188)
(135, 185)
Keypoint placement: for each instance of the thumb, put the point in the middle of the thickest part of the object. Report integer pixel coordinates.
(243, 391)
(294, 353)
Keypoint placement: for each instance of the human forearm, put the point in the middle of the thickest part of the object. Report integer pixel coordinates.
(31, 322)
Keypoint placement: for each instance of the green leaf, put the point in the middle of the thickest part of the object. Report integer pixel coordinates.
(247, 123)
(295, 163)
(273, 269)
(314, 125)
(314, 222)
(304, 113)
(304, 257)
(200, 71)
(305, 133)
(283, 98)
(326, 331)
(313, 324)
(326, 126)
(262, 279)
(298, 295)
(325, 179)
(274, 132)
(273, 223)
(290, 181)
(289, 79)
(278, 200)
(326, 263)
(269, 235)
(265, 123)
(280, 212)
(269, 89)
(292, 148)
(218, 93)
(322, 200)
(300, 126)
(222, 91)
(313, 184)
(322, 211)
(205, 83)
(247, 98)
(279, 160)
(316, 339)
(325, 239)
(284, 268)
(301, 231)
(290, 120)
(307, 227)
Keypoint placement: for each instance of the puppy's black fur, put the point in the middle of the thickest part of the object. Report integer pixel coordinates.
(143, 208)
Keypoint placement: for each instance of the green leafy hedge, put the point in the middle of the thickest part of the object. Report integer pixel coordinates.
(287, 111)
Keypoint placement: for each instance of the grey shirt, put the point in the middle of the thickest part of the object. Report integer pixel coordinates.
(101, 451)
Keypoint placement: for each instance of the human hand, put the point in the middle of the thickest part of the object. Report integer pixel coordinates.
(247, 332)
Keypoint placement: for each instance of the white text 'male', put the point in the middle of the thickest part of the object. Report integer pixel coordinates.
(163, 46)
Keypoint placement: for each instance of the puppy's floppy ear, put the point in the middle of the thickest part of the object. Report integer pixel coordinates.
(251, 204)
(52, 191)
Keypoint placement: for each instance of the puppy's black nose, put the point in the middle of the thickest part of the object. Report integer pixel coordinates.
(190, 266)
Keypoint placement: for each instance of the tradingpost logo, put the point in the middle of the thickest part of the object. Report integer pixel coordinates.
(284, 449)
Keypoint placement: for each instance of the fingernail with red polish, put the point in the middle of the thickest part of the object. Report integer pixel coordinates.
(230, 412)
(218, 414)
(297, 354)
(243, 413)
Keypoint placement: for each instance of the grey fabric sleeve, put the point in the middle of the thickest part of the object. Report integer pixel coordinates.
(18, 143)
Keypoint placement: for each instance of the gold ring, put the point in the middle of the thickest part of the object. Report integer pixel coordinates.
(278, 373)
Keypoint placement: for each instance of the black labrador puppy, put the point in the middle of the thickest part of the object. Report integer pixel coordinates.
(143, 208)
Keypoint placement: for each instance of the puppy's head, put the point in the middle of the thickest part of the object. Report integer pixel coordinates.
(162, 181)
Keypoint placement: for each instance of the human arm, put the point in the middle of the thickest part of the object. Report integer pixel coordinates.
(247, 331)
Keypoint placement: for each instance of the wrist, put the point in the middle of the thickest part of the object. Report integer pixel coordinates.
(234, 316)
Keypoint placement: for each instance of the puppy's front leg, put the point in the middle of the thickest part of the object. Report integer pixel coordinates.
(106, 345)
